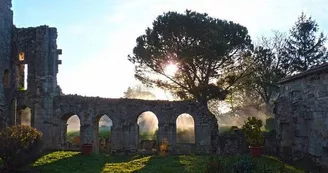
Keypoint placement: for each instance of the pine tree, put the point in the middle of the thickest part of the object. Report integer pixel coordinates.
(305, 48)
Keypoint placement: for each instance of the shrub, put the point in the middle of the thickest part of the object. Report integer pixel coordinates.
(252, 132)
(19, 146)
(213, 165)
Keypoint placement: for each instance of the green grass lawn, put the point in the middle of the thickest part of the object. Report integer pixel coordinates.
(74, 162)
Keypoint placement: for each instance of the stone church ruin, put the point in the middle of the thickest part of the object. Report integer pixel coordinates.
(30, 95)
(30, 56)
(301, 114)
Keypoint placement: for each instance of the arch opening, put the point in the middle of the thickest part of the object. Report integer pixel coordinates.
(72, 140)
(147, 131)
(185, 125)
(104, 130)
(25, 116)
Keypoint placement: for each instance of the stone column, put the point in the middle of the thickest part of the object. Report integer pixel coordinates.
(86, 133)
(203, 138)
(95, 130)
(134, 130)
(117, 137)
(168, 132)
(160, 133)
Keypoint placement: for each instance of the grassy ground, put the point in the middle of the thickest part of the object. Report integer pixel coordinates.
(74, 162)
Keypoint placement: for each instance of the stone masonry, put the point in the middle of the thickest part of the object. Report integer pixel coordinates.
(301, 113)
(35, 48)
(124, 114)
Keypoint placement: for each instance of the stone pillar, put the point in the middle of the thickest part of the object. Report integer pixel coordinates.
(117, 137)
(134, 133)
(126, 137)
(86, 133)
(203, 138)
(173, 135)
(167, 131)
(160, 133)
(95, 129)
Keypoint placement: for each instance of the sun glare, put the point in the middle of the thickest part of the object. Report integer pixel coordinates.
(171, 69)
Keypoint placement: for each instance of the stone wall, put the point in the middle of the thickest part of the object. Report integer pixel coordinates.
(6, 94)
(36, 47)
(301, 112)
(124, 114)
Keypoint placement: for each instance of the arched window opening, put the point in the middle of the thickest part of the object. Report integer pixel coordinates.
(104, 133)
(148, 126)
(6, 79)
(185, 129)
(25, 115)
(73, 132)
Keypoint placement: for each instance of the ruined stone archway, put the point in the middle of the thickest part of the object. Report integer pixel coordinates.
(24, 115)
(147, 131)
(71, 131)
(102, 133)
(124, 114)
(185, 126)
(186, 134)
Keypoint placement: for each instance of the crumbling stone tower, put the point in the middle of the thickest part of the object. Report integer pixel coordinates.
(7, 69)
(35, 49)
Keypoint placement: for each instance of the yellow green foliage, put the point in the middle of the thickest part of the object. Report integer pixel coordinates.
(252, 131)
(19, 146)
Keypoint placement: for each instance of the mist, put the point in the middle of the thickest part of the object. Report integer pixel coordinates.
(105, 121)
(228, 117)
(73, 123)
(185, 129)
(139, 92)
(148, 123)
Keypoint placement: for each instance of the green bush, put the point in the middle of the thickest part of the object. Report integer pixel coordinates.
(252, 132)
(19, 146)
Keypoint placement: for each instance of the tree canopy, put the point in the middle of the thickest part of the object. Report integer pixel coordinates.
(305, 47)
(206, 51)
(280, 56)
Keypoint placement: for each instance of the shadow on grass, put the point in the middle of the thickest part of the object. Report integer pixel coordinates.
(70, 162)
(179, 164)
(162, 164)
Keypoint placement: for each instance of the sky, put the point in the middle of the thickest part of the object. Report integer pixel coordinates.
(96, 36)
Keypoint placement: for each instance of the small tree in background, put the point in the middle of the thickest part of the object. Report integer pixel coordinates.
(19, 146)
(252, 132)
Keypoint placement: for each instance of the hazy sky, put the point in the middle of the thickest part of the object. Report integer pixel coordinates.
(97, 35)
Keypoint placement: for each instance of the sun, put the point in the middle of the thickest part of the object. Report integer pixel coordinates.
(170, 69)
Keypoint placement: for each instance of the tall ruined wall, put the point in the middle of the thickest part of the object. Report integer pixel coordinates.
(36, 47)
(302, 117)
(6, 65)
(124, 114)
